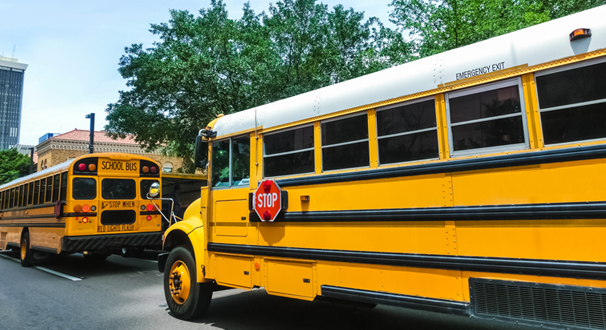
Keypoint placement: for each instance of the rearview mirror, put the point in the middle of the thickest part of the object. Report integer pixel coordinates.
(154, 190)
(201, 152)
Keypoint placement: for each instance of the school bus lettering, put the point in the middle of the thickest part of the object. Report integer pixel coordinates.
(128, 204)
(109, 165)
(111, 204)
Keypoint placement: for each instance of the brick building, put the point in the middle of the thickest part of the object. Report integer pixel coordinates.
(62, 147)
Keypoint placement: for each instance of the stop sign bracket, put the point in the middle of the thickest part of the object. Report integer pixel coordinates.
(251, 203)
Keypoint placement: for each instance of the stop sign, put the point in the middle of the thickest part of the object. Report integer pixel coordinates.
(268, 200)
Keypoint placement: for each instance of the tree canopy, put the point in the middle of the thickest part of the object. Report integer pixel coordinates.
(208, 64)
(13, 165)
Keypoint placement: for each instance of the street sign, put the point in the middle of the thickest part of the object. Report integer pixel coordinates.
(268, 200)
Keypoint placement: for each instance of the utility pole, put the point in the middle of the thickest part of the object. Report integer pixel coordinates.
(31, 160)
(91, 147)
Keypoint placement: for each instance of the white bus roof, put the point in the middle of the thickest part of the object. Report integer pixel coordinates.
(531, 46)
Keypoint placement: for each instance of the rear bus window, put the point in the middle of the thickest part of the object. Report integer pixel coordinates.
(84, 188)
(118, 189)
(572, 103)
(289, 152)
(56, 185)
(345, 143)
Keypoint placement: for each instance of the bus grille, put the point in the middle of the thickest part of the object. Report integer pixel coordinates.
(118, 217)
(546, 304)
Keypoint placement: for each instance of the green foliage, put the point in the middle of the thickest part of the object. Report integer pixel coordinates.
(436, 26)
(209, 64)
(12, 165)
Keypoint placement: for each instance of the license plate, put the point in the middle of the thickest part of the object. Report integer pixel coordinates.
(114, 228)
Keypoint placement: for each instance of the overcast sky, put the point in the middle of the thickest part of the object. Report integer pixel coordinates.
(73, 47)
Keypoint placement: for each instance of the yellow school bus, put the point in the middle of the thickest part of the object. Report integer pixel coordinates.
(94, 204)
(471, 182)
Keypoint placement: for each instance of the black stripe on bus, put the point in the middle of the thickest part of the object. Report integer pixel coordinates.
(587, 210)
(416, 302)
(149, 213)
(80, 214)
(28, 216)
(473, 164)
(33, 225)
(25, 208)
(571, 269)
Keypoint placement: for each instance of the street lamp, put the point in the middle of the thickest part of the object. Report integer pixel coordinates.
(91, 143)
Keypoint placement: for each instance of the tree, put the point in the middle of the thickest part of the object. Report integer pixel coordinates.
(209, 64)
(436, 26)
(13, 165)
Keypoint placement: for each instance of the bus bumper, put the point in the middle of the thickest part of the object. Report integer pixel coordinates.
(111, 241)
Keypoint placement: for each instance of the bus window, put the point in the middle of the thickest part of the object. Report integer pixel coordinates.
(49, 189)
(572, 103)
(407, 133)
(289, 152)
(23, 197)
(220, 164)
(240, 161)
(14, 196)
(19, 201)
(63, 186)
(42, 191)
(486, 117)
(2, 199)
(84, 188)
(30, 194)
(37, 192)
(144, 185)
(345, 143)
(56, 185)
(118, 189)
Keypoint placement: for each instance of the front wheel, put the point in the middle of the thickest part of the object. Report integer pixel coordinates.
(186, 298)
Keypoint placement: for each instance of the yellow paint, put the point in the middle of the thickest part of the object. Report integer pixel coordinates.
(441, 122)
(290, 279)
(231, 217)
(318, 147)
(234, 271)
(179, 282)
(372, 139)
(533, 117)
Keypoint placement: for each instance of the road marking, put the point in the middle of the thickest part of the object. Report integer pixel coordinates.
(7, 257)
(50, 271)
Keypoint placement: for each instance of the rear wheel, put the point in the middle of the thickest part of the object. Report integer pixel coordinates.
(26, 253)
(186, 298)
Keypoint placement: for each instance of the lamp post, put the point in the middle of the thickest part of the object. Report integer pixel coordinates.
(91, 143)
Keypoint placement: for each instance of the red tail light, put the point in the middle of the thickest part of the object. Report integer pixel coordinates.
(82, 167)
(85, 220)
(85, 208)
(150, 207)
(148, 217)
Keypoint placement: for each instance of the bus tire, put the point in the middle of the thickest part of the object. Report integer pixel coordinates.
(186, 298)
(26, 254)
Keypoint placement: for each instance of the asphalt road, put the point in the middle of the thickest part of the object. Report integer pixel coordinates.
(126, 293)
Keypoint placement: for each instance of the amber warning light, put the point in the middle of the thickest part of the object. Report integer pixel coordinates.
(579, 34)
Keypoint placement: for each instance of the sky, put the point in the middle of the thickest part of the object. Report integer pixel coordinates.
(73, 48)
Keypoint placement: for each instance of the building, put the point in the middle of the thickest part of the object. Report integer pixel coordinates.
(24, 149)
(60, 148)
(46, 137)
(11, 98)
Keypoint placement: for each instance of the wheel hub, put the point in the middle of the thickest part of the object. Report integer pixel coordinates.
(179, 282)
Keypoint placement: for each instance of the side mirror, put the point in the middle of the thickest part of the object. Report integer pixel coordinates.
(154, 190)
(201, 152)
